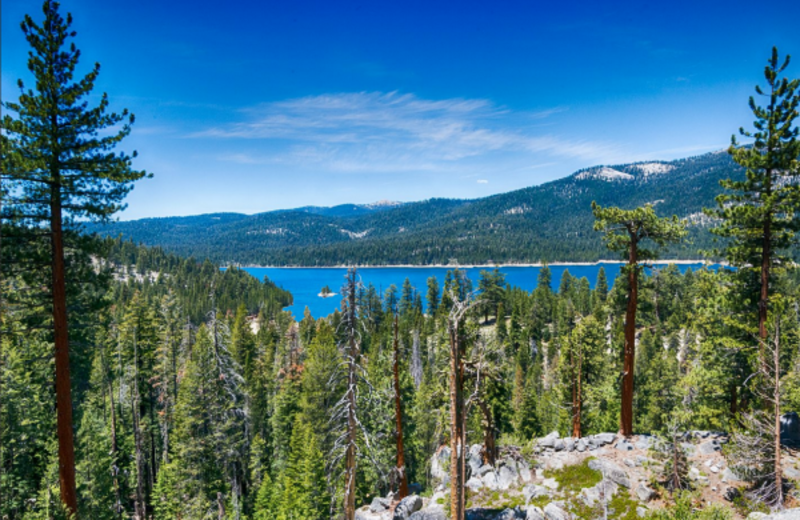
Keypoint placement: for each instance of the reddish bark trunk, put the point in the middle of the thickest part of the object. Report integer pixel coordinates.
(456, 426)
(66, 453)
(626, 412)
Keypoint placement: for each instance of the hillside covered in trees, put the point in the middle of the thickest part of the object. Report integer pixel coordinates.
(547, 223)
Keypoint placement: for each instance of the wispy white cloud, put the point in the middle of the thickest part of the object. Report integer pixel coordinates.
(483, 181)
(373, 131)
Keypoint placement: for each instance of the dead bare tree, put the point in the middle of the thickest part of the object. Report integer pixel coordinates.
(482, 368)
(756, 451)
(402, 490)
(455, 320)
(345, 419)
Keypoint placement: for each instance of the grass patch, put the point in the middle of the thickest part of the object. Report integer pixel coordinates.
(571, 479)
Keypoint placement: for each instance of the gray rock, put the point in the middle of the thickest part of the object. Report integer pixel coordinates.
(474, 483)
(644, 493)
(554, 512)
(524, 471)
(581, 445)
(558, 445)
(490, 481)
(640, 460)
(694, 473)
(474, 459)
(483, 470)
(789, 514)
(729, 476)
(629, 463)
(379, 505)
(644, 442)
(688, 448)
(532, 491)
(757, 516)
(604, 490)
(611, 471)
(791, 473)
(709, 447)
(408, 506)
(549, 441)
(365, 514)
(624, 445)
(550, 483)
(790, 429)
(440, 466)
(429, 513)
(641, 512)
(506, 477)
(569, 444)
(534, 513)
(601, 439)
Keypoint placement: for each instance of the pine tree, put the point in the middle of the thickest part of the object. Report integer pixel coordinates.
(59, 171)
(625, 230)
(758, 213)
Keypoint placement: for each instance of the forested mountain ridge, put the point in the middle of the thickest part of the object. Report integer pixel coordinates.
(549, 222)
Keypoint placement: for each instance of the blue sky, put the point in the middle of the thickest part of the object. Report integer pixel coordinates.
(252, 106)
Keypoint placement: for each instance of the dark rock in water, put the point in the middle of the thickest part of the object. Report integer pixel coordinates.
(790, 429)
(511, 514)
(408, 506)
(379, 505)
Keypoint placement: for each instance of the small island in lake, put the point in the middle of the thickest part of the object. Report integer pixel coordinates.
(326, 292)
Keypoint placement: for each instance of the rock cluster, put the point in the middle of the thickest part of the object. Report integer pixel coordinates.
(514, 488)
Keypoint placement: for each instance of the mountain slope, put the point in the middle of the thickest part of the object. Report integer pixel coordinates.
(549, 222)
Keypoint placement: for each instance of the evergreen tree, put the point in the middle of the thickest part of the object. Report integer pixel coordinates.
(758, 213)
(624, 232)
(59, 171)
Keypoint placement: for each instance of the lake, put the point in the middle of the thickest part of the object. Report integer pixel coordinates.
(306, 283)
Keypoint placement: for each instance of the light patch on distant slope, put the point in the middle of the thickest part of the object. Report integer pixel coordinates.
(653, 168)
(517, 210)
(382, 204)
(605, 174)
(354, 234)
(269, 231)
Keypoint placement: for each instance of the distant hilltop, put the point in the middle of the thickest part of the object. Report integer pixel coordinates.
(550, 222)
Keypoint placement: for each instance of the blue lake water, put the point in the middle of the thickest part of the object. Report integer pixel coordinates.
(305, 284)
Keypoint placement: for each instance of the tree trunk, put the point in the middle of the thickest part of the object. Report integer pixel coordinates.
(139, 505)
(398, 412)
(350, 453)
(456, 426)
(776, 397)
(66, 450)
(489, 445)
(764, 296)
(576, 396)
(626, 412)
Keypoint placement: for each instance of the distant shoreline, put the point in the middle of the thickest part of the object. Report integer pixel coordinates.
(468, 266)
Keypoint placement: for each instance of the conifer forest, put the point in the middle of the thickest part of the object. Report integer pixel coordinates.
(138, 383)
